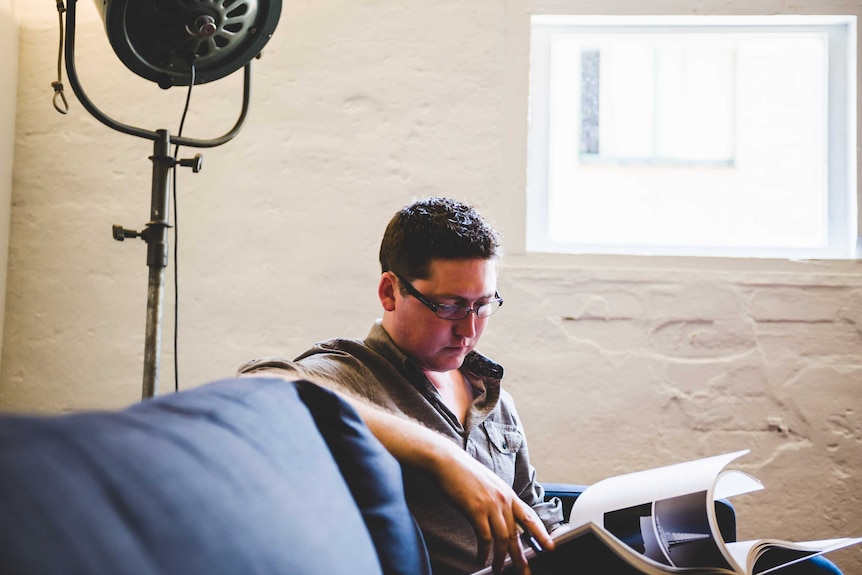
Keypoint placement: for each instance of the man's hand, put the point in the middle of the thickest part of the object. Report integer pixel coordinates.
(494, 509)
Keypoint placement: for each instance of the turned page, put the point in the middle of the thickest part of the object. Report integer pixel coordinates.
(668, 514)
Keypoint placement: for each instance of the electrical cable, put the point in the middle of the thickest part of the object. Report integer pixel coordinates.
(176, 234)
(58, 85)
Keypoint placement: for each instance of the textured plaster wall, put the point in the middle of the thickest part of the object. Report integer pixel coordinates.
(358, 107)
(8, 97)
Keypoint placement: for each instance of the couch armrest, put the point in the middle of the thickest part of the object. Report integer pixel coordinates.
(565, 492)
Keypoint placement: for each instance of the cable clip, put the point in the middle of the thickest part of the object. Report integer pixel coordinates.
(60, 95)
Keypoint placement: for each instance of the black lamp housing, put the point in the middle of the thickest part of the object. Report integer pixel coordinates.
(160, 39)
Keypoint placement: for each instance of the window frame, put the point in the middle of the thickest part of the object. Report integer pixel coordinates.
(841, 125)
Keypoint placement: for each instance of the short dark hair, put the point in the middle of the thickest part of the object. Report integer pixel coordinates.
(435, 228)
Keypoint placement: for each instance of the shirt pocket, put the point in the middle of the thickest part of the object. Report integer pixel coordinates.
(505, 441)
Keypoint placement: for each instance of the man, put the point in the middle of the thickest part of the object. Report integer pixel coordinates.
(438, 288)
(467, 474)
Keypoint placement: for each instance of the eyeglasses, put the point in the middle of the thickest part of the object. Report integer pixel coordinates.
(453, 312)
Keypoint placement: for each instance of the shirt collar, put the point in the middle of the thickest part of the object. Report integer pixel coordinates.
(474, 363)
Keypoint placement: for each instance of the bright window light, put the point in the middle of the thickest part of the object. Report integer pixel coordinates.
(693, 136)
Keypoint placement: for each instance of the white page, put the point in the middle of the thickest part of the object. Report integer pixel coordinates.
(740, 550)
(641, 487)
(733, 482)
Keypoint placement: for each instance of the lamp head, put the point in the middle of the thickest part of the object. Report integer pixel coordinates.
(160, 39)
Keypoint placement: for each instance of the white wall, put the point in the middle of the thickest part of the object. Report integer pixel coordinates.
(358, 107)
(8, 93)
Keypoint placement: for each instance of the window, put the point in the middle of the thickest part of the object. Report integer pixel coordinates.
(727, 136)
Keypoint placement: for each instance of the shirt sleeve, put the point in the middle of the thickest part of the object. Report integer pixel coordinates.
(322, 369)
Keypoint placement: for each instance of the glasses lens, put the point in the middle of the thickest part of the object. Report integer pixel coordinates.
(489, 308)
(460, 312)
(452, 311)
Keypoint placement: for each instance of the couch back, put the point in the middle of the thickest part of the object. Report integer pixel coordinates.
(249, 475)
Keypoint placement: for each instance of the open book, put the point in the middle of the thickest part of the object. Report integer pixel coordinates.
(663, 521)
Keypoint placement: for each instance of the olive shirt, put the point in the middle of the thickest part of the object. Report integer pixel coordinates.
(376, 369)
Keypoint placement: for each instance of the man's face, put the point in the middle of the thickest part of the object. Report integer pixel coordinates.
(439, 344)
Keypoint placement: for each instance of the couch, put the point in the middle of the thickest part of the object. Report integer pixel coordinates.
(243, 476)
(240, 476)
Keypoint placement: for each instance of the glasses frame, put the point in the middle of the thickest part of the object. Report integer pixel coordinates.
(435, 307)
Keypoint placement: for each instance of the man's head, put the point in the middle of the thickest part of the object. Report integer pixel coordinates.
(435, 228)
(439, 261)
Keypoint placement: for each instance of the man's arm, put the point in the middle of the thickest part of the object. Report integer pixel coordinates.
(490, 504)
(492, 507)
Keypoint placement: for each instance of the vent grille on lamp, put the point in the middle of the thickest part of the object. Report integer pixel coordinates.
(159, 39)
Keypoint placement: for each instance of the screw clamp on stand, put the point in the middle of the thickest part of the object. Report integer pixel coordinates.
(155, 234)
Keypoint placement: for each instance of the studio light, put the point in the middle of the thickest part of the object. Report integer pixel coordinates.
(158, 39)
(172, 43)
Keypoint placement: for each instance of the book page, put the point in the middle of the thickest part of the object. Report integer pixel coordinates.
(764, 556)
(732, 482)
(642, 487)
(667, 514)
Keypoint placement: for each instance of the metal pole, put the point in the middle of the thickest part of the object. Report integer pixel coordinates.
(156, 236)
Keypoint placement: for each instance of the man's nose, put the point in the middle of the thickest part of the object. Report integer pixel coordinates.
(466, 327)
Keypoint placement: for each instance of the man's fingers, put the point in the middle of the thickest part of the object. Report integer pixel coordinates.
(501, 529)
(484, 539)
(525, 515)
(516, 552)
(507, 540)
(501, 549)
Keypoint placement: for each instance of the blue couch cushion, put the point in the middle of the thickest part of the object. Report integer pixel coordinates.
(231, 477)
(374, 479)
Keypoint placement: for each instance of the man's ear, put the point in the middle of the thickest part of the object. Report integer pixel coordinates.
(386, 290)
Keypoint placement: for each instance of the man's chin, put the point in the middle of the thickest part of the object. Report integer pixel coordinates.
(452, 358)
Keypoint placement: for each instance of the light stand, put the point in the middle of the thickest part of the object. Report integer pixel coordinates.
(155, 233)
